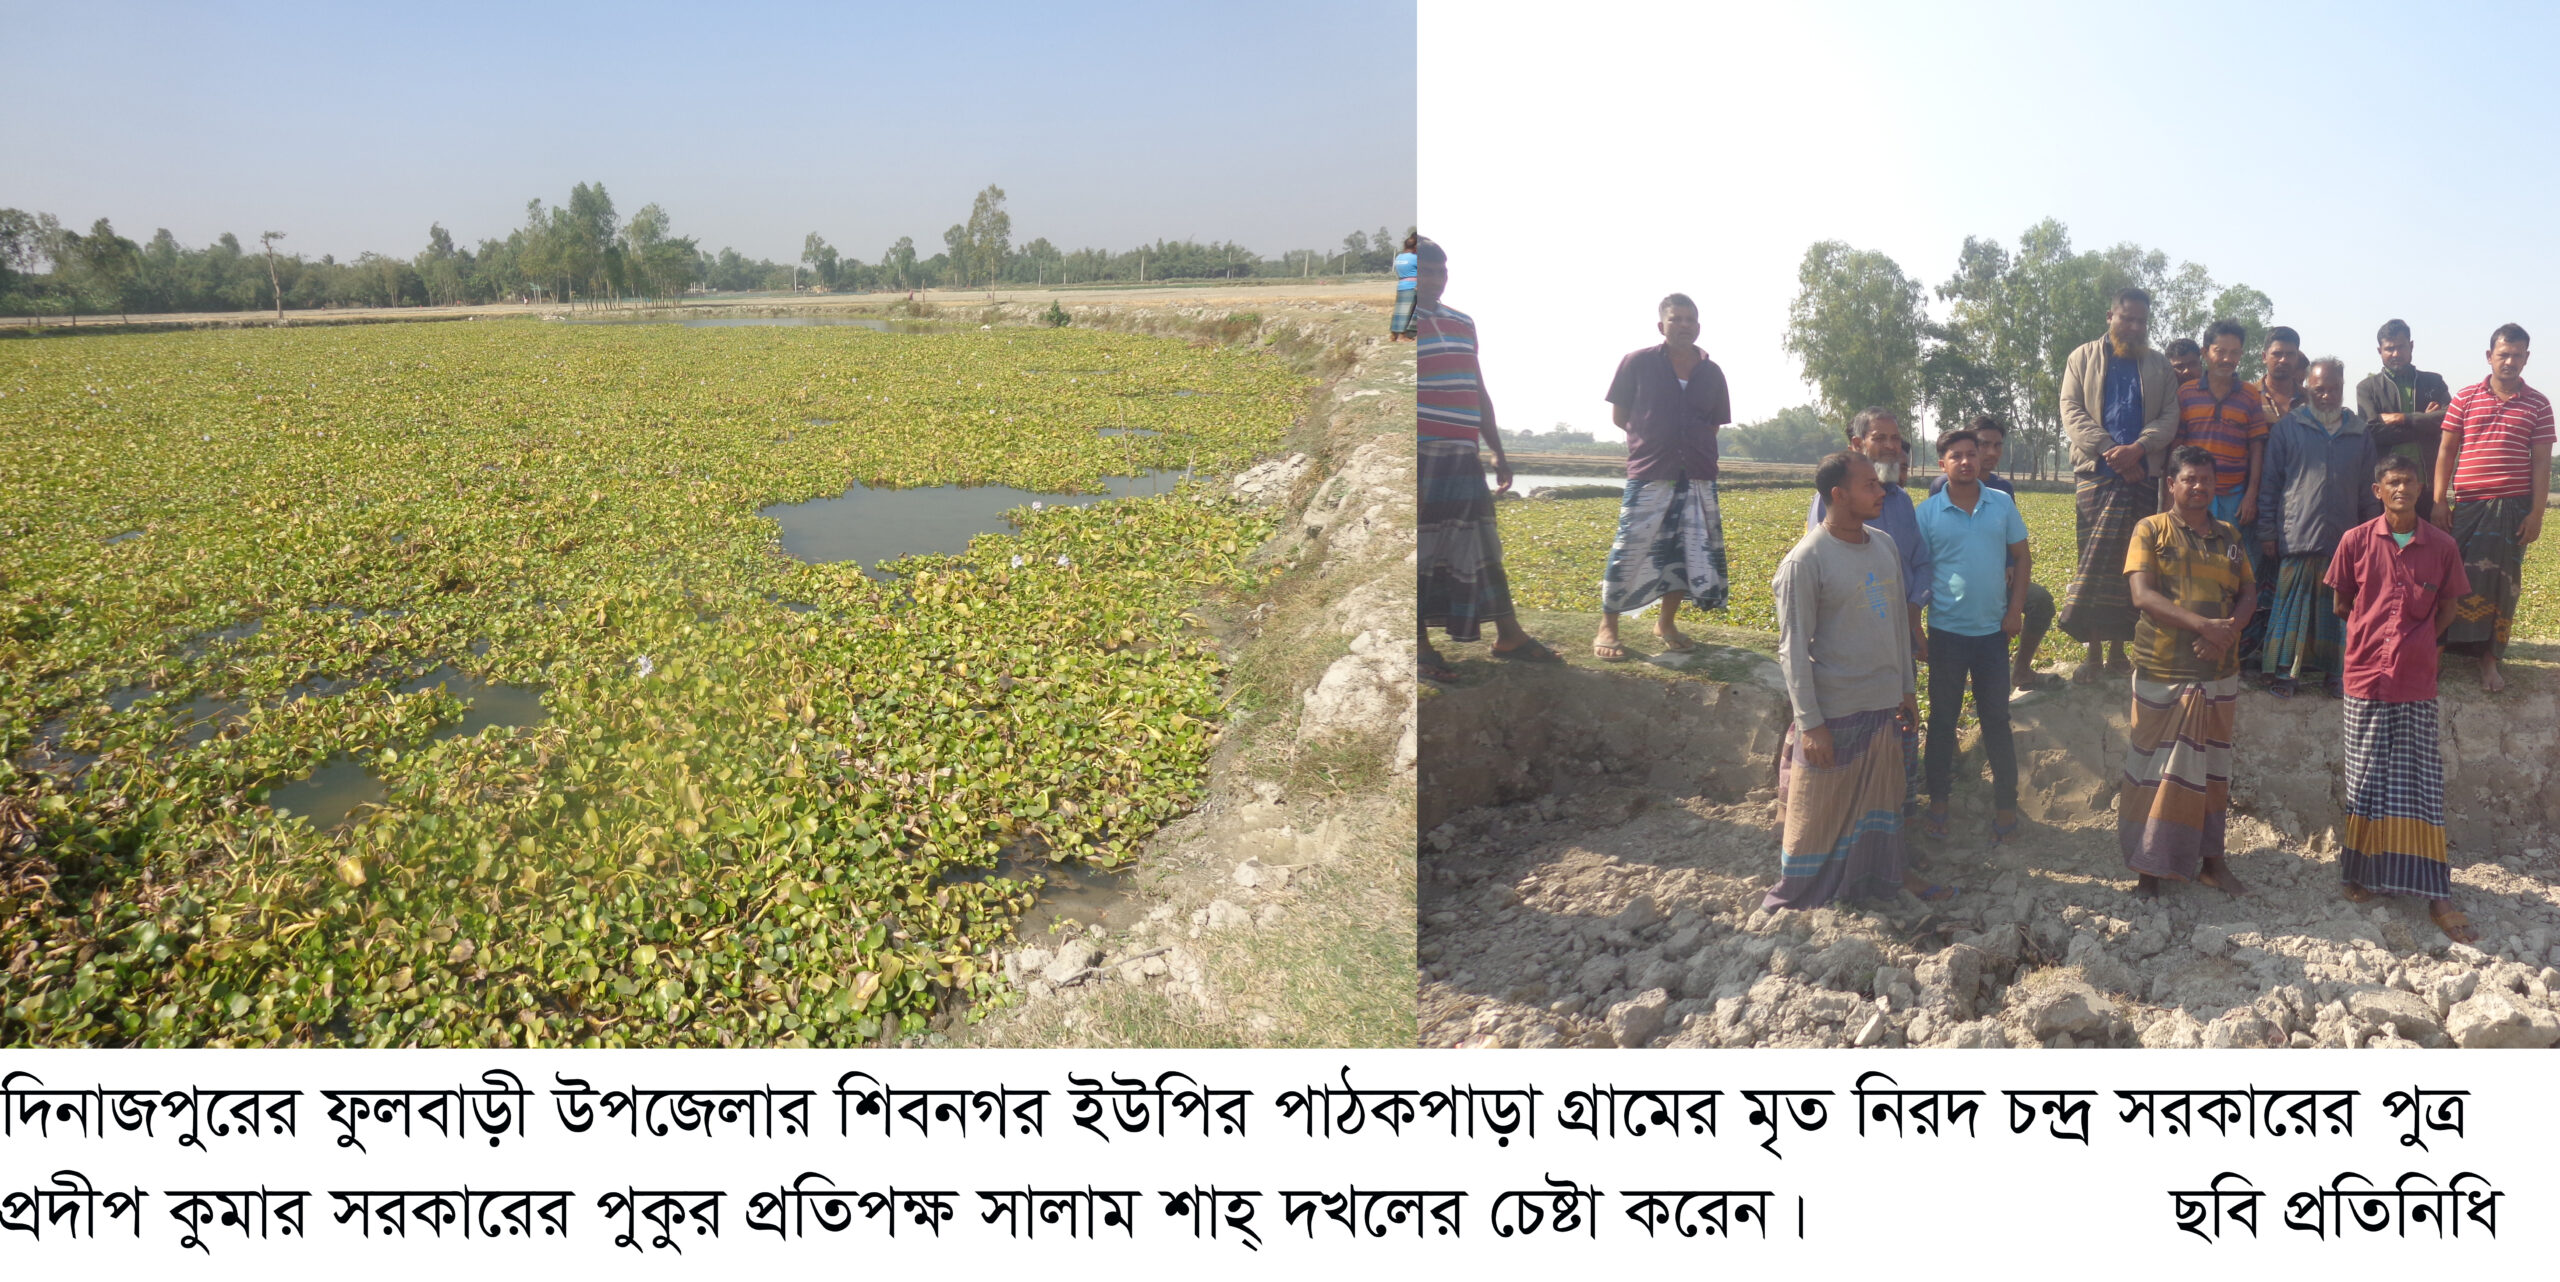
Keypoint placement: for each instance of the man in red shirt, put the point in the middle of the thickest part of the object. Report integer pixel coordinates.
(2493, 476)
(2396, 580)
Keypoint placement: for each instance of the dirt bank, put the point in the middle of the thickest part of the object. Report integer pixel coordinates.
(1281, 911)
(1597, 845)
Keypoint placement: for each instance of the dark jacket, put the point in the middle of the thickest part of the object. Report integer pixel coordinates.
(2315, 487)
(2379, 395)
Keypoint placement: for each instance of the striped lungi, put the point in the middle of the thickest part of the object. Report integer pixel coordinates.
(1670, 539)
(2394, 835)
(2304, 632)
(2493, 560)
(1843, 835)
(1403, 321)
(2097, 605)
(2176, 792)
(1458, 555)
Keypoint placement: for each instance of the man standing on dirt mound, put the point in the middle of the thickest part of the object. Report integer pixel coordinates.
(2493, 476)
(1844, 646)
(2397, 579)
(1457, 553)
(2120, 410)
(1876, 434)
(2189, 576)
(1669, 400)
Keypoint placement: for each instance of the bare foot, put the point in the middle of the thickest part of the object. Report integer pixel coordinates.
(2358, 894)
(2491, 680)
(2452, 922)
(2217, 874)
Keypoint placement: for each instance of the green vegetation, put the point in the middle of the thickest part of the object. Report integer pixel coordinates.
(1858, 328)
(1554, 552)
(738, 824)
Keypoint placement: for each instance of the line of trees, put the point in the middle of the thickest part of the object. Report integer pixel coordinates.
(579, 253)
(1863, 335)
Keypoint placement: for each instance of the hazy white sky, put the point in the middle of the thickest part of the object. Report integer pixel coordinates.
(353, 126)
(2355, 162)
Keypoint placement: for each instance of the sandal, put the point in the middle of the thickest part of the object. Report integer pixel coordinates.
(1529, 651)
(1673, 642)
(1933, 824)
(2039, 681)
(1934, 893)
(1611, 651)
(2004, 829)
(1431, 667)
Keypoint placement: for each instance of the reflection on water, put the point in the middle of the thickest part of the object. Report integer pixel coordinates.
(1523, 483)
(1073, 893)
(329, 797)
(491, 703)
(871, 526)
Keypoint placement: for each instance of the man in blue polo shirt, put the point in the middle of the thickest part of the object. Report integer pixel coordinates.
(1974, 535)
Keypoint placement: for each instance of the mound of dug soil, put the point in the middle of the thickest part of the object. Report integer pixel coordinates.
(1596, 847)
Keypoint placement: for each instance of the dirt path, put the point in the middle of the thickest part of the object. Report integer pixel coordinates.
(1599, 843)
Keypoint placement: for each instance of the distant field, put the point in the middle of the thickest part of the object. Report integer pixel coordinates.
(1554, 552)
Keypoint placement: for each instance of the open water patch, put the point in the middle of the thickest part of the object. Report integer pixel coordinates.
(870, 526)
(1069, 893)
(329, 796)
(1126, 431)
(487, 703)
(114, 539)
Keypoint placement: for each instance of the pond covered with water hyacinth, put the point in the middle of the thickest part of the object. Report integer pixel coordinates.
(617, 767)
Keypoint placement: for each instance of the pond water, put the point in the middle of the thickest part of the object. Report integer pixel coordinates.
(114, 539)
(330, 797)
(870, 526)
(1126, 431)
(491, 703)
(1072, 893)
(1522, 483)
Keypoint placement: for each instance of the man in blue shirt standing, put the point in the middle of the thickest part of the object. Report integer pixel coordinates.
(1974, 535)
(1877, 433)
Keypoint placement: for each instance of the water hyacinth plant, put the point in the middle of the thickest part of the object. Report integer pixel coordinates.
(226, 553)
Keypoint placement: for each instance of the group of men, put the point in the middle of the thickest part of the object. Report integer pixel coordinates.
(2223, 527)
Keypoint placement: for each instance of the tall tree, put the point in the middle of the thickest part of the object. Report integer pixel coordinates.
(1855, 329)
(820, 258)
(955, 254)
(989, 235)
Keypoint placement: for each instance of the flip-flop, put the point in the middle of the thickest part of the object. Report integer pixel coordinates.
(2040, 681)
(1435, 668)
(1934, 893)
(1529, 651)
(1611, 651)
(1933, 823)
(2002, 832)
(1674, 642)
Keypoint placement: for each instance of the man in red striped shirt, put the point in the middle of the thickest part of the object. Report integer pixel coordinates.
(2493, 476)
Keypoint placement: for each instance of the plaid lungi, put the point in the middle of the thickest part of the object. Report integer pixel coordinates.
(2394, 835)
(1458, 556)
(1670, 539)
(1843, 836)
(2493, 560)
(2176, 794)
(2304, 632)
(1403, 320)
(2097, 605)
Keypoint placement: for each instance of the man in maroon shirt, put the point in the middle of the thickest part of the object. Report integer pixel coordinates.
(1669, 399)
(2396, 580)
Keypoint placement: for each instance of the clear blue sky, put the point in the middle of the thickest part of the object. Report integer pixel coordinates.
(354, 126)
(2353, 161)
